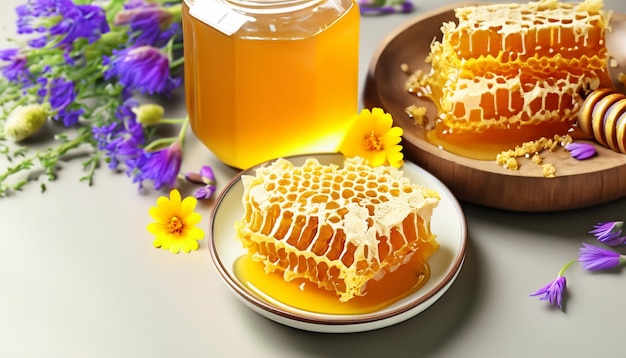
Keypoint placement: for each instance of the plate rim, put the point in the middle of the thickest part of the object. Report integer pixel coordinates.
(312, 320)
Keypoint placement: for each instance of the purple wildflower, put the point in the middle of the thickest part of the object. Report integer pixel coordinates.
(143, 68)
(609, 233)
(75, 21)
(69, 116)
(39, 42)
(162, 167)
(553, 291)
(15, 70)
(594, 258)
(121, 140)
(80, 21)
(206, 177)
(385, 7)
(581, 151)
(149, 24)
(205, 192)
(69, 59)
(61, 94)
(28, 13)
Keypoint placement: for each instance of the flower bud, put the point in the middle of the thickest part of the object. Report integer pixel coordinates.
(25, 121)
(149, 114)
(145, 14)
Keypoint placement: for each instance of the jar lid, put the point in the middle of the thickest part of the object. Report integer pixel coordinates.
(260, 6)
(219, 16)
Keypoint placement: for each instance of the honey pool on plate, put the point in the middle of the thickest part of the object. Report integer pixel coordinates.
(304, 295)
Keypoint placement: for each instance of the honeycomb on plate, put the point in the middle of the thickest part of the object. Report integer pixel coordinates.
(511, 65)
(337, 227)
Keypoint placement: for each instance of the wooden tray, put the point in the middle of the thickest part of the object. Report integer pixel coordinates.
(577, 183)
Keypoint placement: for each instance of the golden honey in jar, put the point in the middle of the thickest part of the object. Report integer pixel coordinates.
(270, 78)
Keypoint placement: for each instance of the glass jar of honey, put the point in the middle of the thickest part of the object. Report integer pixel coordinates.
(270, 78)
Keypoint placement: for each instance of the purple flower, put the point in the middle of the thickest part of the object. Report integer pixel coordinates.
(69, 116)
(122, 140)
(581, 151)
(206, 177)
(161, 166)
(609, 233)
(205, 192)
(15, 70)
(80, 21)
(149, 24)
(553, 291)
(596, 258)
(385, 7)
(61, 94)
(39, 42)
(28, 13)
(74, 21)
(143, 68)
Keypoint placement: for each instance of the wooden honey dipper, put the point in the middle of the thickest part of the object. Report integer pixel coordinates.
(603, 117)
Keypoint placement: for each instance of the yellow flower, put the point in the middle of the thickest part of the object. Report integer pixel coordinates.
(175, 227)
(371, 135)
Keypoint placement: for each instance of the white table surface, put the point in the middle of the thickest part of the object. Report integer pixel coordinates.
(79, 277)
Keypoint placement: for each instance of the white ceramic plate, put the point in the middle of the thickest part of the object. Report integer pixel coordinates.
(448, 223)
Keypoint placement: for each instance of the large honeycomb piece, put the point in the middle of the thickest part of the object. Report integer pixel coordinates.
(511, 65)
(337, 227)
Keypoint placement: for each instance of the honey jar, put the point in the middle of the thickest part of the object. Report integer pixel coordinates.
(270, 78)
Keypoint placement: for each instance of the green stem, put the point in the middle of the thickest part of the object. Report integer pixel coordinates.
(9, 97)
(12, 170)
(168, 50)
(566, 266)
(183, 130)
(177, 12)
(17, 103)
(74, 143)
(177, 62)
(60, 150)
(159, 144)
(172, 120)
(163, 142)
(92, 164)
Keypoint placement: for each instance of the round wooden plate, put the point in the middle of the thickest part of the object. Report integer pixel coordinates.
(577, 183)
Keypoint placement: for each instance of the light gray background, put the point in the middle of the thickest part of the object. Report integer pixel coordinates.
(79, 276)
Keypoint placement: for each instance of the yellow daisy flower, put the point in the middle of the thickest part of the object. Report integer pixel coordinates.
(175, 227)
(371, 135)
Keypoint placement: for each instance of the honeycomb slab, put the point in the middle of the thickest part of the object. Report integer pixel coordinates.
(336, 226)
(506, 66)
